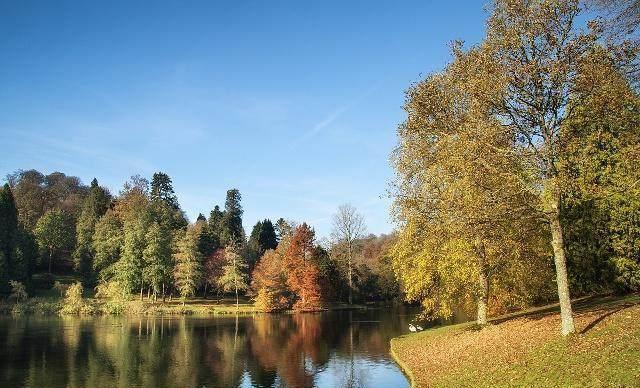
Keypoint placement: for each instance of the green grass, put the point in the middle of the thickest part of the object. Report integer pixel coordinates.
(526, 349)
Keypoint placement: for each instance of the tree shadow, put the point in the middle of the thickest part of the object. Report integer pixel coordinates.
(603, 316)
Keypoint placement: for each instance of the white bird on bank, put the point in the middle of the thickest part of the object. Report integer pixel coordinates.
(414, 328)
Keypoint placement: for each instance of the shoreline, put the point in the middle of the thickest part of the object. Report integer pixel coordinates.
(522, 347)
(52, 306)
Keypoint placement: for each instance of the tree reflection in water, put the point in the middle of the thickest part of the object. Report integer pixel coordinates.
(293, 350)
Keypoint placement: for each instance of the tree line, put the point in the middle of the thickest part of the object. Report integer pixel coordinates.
(141, 242)
(516, 164)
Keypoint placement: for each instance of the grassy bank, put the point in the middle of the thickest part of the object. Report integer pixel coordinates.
(526, 349)
(52, 305)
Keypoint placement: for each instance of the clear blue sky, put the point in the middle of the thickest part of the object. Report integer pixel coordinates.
(294, 103)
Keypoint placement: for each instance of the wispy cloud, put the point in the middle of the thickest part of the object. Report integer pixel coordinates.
(333, 116)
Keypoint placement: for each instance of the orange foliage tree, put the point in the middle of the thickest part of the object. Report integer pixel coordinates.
(269, 283)
(302, 272)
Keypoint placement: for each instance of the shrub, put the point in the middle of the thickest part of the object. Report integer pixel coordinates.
(18, 291)
(73, 303)
(116, 295)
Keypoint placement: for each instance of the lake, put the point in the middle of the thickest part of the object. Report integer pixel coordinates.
(329, 349)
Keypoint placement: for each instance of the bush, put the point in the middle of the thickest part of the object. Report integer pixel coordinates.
(73, 303)
(116, 295)
(627, 274)
(18, 291)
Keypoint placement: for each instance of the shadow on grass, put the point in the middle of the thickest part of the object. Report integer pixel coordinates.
(606, 305)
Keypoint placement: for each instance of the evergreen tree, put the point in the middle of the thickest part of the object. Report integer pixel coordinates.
(94, 206)
(24, 256)
(201, 217)
(282, 228)
(157, 258)
(215, 224)
(162, 190)
(8, 233)
(232, 230)
(188, 264)
(268, 238)
(162, 193)
(129, 269)
(107, 243)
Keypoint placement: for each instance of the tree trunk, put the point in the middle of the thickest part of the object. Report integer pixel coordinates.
(483, 285)
(349, 272)
(50, 259)
(557, 241)
(163, 294)
(205, 291)
(141, 293)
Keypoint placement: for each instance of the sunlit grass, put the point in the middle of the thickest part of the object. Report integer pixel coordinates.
(526, 349)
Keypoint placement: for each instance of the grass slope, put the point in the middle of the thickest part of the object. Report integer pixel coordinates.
(526, 349)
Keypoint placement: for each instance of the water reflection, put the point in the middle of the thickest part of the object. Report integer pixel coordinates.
(293, 350)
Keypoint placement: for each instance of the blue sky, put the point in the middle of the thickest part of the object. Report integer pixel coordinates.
(294, 103)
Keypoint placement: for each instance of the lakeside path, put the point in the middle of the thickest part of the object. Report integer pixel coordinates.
(526, 349)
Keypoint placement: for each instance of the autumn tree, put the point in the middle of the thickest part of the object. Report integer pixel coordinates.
(188, 264)
(269, 282)
(234, 277)
(600, 147)
(302, 272)
(54, 234)
(348, 228)
(212, 269)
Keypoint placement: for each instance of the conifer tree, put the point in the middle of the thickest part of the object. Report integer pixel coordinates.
(8, 234)
(188, 264)
(157, 258)
(94, 206)
(232, 230)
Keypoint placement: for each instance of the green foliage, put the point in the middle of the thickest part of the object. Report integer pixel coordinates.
(188, 264)
(95, 205)
(231, 231)
(8, 233)
(129, 269)
(601, 150)
(73, 303)
(107, 243)
(54, 233)
(116, 295)
(157, 257)
(234, 277)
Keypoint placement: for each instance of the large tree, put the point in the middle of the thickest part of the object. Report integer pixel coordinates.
(157, 258)
(107, 243)
(232, 231)
(303, 275)
(8, 233)
(54, 234)
(234, 276)
(188, 264)
(348, 228)
(95, 205)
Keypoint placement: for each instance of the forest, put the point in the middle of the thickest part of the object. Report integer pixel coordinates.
(140, 243)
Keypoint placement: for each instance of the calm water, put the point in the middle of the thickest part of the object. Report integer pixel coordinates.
(332, 349)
